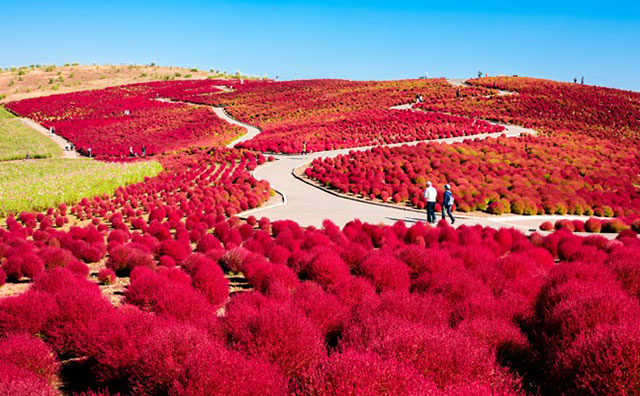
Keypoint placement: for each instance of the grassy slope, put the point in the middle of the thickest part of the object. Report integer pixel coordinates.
(17, 139)
(40, 184)
(27, 82)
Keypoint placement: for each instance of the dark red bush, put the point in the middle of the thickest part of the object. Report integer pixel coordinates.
(274, 331)
(604, 361)
(107, 277)
(124, 258)
(385, 271)
(363, 373)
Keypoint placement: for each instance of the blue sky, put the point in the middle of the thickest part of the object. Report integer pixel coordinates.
(342, 39)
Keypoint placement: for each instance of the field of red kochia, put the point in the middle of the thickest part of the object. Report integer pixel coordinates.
(217, 305)
(584, 161)
(367, 308)
(110, 121)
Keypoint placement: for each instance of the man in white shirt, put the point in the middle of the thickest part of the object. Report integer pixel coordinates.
(430, 194)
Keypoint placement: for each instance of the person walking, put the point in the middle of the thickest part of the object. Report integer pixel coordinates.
(447, 203)
(144, 151)
(130, 151)
(582, 80)
(304, 148)
(430, 194)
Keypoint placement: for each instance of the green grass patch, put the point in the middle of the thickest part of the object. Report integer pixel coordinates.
(35, 185)
(18, 139)
(5, 114)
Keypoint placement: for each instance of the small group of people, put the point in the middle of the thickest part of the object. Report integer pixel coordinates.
(431, 195)
(69, 147)
(419, 98)
(143, 152)
(480, 74)
(575, 80)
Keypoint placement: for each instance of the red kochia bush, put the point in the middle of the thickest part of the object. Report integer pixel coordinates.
(85, 324)
(56, 257)
(577, 306)
(31, 354)
(428, 310)
(209, 280)
(26, 313)
(165, 347)
(107, 277)
(322, 308)
(605, 361)
(363, 373)
(546, 226)
(208, 242)
(385, 271)
(625, 264)
(215, 371)
(16, 381)
(177, 250)
(169, 295)
(124, 258)
(273, 330)
(327, 268)
(439, 353)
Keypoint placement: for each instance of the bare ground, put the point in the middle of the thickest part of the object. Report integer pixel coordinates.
(23, 83)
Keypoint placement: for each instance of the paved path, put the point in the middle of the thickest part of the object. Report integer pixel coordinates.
(462, 82)
(251, 130)
(59, 140)
(310, 205)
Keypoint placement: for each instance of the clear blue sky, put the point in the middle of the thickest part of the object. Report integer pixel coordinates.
(343, 39)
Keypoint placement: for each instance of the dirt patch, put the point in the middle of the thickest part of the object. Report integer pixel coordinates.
(23, 83)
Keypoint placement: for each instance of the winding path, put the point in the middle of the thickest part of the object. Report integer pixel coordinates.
(308, 204)
(59, 140)
(302, 201)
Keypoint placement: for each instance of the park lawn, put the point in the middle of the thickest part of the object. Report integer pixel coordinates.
(4, 114)
(35, 185)
(17, 139)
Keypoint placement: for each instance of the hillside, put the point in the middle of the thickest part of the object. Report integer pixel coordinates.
(40, 80)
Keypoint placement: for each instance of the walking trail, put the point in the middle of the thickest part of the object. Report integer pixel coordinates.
(309, 204)
(59, 140)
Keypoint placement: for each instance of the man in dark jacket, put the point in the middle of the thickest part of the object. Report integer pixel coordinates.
(447, 203)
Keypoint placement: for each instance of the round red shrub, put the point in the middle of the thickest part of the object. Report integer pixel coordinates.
(322, 308)
(107, 277)
(209, 280)
(327, 268)
(605, 361)
(625, 264)
(363, 373)
(55, 257)
(16, 381)
(274, 331)
(208, 242)
(214, 371)
(124, 258)
(175, 249)
(385, 272)
(593, 225)
(31, 354)
(546, 226)
(165, 346)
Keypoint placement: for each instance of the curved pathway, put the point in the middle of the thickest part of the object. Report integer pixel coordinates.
(59, 140)
(308, 204)
(462, 82)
